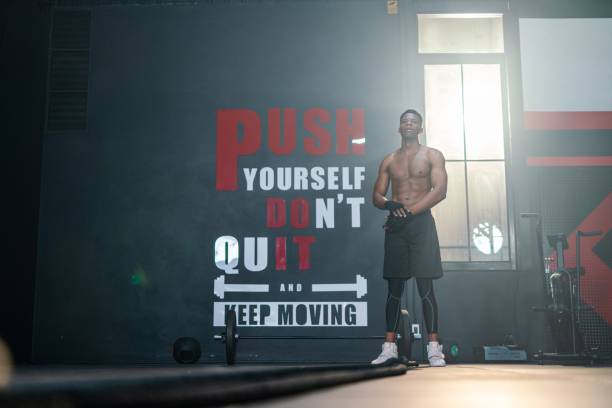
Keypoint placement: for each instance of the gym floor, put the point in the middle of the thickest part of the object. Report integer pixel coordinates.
(321, 386)
(470, 386)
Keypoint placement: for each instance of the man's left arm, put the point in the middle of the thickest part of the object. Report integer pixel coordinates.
(439, 181)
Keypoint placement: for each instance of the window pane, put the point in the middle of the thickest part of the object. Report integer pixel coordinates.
(444, 107)
(482, 104)
(488, 212)
(451, 216)
(460, 33)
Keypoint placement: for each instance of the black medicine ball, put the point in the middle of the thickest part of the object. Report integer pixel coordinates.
(187, 350)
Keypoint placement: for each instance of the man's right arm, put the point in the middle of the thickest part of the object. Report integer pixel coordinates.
(382, 184)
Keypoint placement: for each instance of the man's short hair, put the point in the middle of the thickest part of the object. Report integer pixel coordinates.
(414, 112)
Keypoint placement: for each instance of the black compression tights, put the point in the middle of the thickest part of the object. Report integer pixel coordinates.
(430, 307)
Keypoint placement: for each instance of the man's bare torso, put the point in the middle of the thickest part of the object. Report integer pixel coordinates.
(410, 175)
(415, 173)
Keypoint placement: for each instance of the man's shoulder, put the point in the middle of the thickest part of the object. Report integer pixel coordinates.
(389, 157)
(434, 153)
(432, 150)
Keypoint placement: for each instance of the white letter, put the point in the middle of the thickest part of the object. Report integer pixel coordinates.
(226, 254)
(266, 178)
(283, 178)
(355, 203)
(346, 185)
(259, 262)
(359, 177)
(300, 181)
(332, 178)
(249, 176)
(324, 212)
(316, 174)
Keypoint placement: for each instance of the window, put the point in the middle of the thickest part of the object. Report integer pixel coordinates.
(464, 119)
(460, 33)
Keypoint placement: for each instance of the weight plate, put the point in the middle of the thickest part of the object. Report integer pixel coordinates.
(230, 337)
(404, 346)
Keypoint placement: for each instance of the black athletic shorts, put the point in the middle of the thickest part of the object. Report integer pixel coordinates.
(412, 248)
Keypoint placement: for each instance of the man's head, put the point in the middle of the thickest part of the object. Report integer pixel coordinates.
(411, 124)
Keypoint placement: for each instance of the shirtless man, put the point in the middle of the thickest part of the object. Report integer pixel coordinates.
(418, 182)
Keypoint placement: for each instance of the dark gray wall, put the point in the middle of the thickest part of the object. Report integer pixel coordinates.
(24, 27)
(134, 194)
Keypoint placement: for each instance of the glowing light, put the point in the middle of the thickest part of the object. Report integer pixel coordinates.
(487, 238)
(359, 141)
(139, 277)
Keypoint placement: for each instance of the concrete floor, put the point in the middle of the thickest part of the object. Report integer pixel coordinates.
(495, 386)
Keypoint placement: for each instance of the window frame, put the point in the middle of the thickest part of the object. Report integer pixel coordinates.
(479, 58)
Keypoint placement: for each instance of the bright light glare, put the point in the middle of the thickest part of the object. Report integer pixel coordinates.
(482, 112)
(487, 238)
(461, 15)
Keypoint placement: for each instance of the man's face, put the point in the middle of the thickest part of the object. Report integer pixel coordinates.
(410, 126)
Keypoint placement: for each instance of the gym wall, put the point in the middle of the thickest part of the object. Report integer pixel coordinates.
(146, 199)
(24, 29)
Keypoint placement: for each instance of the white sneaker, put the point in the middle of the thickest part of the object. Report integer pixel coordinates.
(388, 354)
(435, 355)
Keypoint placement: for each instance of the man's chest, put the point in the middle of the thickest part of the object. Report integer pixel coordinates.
(409, 167)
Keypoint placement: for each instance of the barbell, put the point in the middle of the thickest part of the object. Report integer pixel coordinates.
(230, 337)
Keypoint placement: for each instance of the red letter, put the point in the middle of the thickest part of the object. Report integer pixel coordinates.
(275, 213)
(274, 136)
(344, 129)
(323, 136)
(281, 253)
(304, 243)
(299, 213)
(228, 146)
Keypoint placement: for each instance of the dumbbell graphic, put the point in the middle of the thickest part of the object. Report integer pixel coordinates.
(360, 287)
(220, 287)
